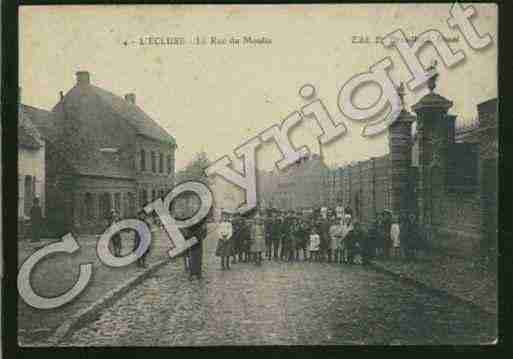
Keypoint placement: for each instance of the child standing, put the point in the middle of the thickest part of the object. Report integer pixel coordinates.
(395, 233)
(224, 244)
(315, 242)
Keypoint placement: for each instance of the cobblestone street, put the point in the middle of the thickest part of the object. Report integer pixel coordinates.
(282, 304)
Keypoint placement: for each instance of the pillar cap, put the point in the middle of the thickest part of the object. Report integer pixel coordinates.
(432, 101)
(406, 116)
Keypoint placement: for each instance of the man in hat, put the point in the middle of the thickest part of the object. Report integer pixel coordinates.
(302, 235)
(116, 238)
(350, 242)
(276, 234)
(284, 227)
(244, 233)
(324, 233)
(199, 231)
(376, 235)
(36, 217)
(347, 227)
(257, 234)
(237, 238)
(268, 234)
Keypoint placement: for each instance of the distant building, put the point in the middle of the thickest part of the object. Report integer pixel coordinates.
(31, 162)
(103, 152)
(300, 186)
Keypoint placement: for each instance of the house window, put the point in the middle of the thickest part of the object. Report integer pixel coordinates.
(153, 162)
(131, 204)
(169, 164)
(105, 205)
(161, 163)
(29, 193)
(153, 195)
(89, 206)
(143, 160)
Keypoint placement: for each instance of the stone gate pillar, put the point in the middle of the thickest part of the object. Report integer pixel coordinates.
(400, 143)
(433, 133)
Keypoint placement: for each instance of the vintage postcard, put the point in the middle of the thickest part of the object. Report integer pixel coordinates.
(251, 175)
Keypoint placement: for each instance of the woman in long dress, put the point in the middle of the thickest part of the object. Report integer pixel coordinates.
(335, 237)
(257, 238)
(346, 228)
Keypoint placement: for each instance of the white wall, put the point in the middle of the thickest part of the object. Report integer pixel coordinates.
(31, 163)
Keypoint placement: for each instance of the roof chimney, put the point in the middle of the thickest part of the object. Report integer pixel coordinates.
(61, 94)
(130, 97)
(83, 78)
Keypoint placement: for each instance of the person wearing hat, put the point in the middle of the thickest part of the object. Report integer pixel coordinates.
(224, 244)
(347, 227)
(268, 234)
(237, 224)
(284, 227)
(257, 234)
(198, 231)
(36, 218)
(302, 234)
(276, 225)
(116, 238)
(324, 233)
(245, 236)
(297, 237)
(289, 236)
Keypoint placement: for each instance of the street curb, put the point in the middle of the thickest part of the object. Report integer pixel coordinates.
(430, 289)
(83, 316)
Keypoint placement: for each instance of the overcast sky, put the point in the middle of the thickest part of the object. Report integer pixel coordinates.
(214, 98)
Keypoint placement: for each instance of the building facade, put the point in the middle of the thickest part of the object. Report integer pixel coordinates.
(31, 163)
(103, 152)
(299, 186)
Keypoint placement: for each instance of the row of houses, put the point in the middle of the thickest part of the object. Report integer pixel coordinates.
(446, 175)
(93, 152)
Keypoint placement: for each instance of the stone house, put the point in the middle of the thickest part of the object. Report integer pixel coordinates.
(104, 152)
(31, 163)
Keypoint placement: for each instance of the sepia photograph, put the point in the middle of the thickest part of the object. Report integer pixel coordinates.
(257, 175)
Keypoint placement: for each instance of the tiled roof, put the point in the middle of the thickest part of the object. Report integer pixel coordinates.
(143, 124)
(90, 119)
(29, 135)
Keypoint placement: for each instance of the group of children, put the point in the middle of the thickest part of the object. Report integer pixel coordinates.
(288, 236)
